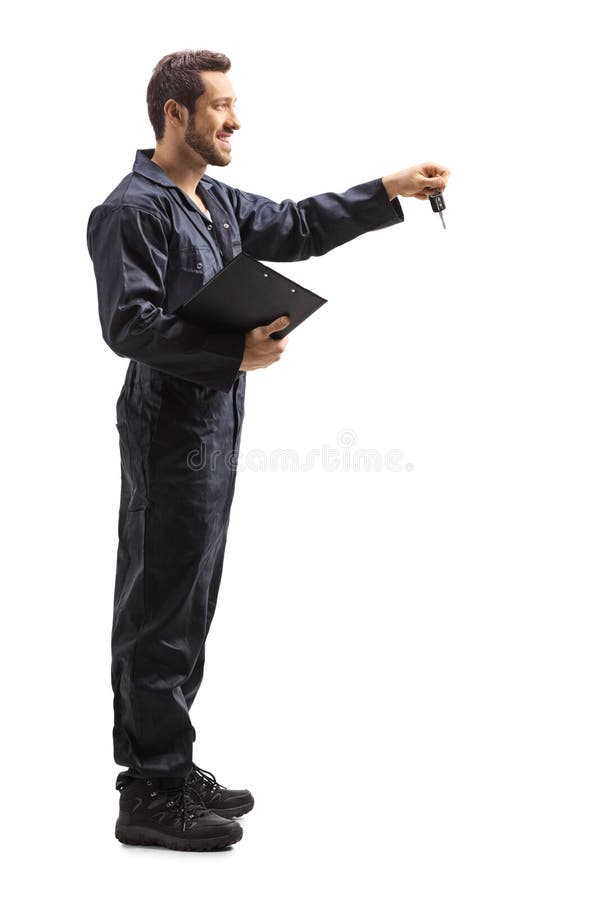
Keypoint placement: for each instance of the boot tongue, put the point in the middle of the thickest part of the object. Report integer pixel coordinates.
(165, 783)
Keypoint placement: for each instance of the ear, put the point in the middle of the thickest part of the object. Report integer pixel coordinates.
(175, 113)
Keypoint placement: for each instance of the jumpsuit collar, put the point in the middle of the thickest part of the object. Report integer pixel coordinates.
(143, 165)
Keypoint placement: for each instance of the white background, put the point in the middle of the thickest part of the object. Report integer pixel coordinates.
(403, 666)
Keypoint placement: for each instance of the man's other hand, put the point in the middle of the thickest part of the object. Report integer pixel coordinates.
(261, 349)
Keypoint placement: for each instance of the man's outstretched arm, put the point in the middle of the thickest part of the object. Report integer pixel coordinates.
(289, 231)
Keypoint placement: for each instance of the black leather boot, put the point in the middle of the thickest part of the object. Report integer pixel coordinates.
(163, 812)
(224, 801)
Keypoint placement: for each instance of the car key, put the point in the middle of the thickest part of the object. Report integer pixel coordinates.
(437, 204)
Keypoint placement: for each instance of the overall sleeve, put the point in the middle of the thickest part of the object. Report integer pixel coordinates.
(290, 231)
(129, 249)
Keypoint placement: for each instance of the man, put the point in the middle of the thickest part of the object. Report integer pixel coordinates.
(165, 230)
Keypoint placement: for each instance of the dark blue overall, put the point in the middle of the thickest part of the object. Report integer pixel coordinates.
(179, 417)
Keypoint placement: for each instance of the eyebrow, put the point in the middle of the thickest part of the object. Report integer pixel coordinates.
(217, 99)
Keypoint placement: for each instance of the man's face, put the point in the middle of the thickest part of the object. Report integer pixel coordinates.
(213, 121)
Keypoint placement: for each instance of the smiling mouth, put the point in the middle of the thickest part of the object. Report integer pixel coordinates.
(224, 139)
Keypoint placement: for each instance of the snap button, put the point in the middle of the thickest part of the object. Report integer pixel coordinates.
(209, 227)
(225, 225)
(198, 265)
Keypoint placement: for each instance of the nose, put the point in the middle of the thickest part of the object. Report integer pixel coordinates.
(233, 121)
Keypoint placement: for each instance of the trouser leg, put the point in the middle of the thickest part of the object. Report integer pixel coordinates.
(192, 684)
(172, 532)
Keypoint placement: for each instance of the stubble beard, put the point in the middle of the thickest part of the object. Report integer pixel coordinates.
(206, 149)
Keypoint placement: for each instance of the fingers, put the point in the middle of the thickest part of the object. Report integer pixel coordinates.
(433, 178)
(434, 184)
(432, 170)
(262, 347)
(276, 325)
(261, 360)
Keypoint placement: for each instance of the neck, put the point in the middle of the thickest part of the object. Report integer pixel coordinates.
(183, 171)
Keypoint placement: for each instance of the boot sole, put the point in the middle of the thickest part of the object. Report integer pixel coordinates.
(148, 837)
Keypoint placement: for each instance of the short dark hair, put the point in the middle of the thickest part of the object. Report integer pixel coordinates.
(177, 77)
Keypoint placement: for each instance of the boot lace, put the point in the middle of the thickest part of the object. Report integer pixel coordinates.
(206, 781)
(184, 806)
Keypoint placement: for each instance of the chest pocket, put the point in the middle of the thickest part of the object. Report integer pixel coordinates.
(188, 270)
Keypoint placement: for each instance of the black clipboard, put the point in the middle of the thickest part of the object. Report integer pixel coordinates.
(245, 294)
